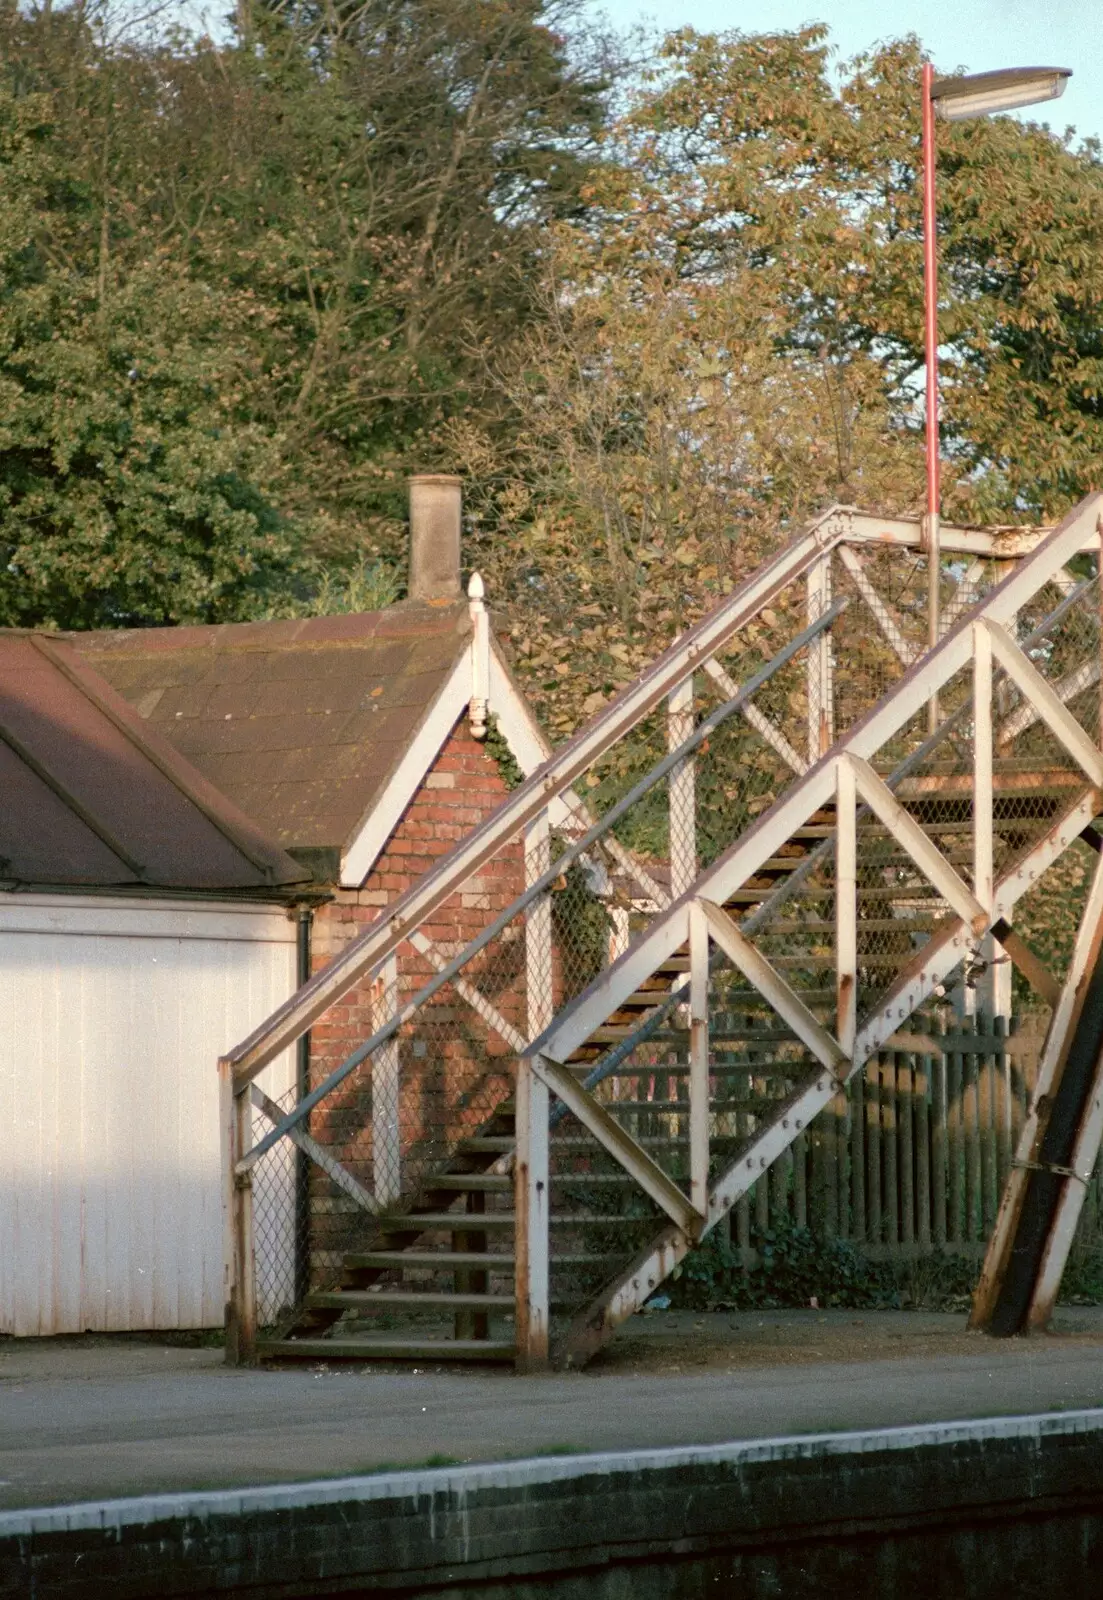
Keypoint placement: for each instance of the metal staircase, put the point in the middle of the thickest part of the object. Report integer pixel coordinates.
(708, 944)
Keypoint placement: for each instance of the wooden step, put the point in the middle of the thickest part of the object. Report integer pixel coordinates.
(376, 1347)
(447, 1221)
(426, 1260)
(483, 1182)
(371, 1299)
(486, 1145)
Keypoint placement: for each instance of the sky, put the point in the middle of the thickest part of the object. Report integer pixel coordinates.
(977, 35)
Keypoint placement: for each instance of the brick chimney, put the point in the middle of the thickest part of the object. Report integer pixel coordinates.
(435, 505)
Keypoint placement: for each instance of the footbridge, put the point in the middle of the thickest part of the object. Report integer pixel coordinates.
(763, 859)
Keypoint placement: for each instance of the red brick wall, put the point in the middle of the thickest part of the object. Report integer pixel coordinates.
(453, 1068)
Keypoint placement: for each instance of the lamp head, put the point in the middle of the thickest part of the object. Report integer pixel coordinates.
(983, 93)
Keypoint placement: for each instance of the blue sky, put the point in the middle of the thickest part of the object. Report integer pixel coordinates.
(977, 35)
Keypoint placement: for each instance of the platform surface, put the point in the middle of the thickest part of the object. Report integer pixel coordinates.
(92, 1418)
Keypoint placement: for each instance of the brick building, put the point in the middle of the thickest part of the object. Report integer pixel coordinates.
(365, 746)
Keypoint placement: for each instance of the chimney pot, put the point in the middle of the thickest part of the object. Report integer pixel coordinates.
(435, 506)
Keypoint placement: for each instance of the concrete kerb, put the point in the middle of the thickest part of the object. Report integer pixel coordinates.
(427, 1527)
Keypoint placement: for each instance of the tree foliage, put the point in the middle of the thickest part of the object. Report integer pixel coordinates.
(248, 285)
(732, 339)
(241, 285)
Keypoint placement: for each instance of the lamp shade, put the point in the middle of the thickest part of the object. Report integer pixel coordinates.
(982, 93)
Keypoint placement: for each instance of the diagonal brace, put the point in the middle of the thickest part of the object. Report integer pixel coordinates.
(911, 838)
(474, 997)
(1047, 702)
(619, 1143)
(321, 1157)
(785, 1001)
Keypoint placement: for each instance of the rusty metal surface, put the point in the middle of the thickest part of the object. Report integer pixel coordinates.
(299, 722)
(94, 798)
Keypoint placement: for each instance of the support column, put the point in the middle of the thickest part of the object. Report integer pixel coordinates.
(821, 665)
(698, 1059)
(532, 1166)
(531, 1179)
(846, 907)
(993, 992)
(239, 1263)
(682, 792)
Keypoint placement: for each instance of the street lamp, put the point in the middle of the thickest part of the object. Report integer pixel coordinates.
(955, 99)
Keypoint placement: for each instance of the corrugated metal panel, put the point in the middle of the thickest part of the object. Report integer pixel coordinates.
(110, 1184)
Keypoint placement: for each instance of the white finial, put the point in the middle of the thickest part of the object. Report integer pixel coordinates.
(480, 657)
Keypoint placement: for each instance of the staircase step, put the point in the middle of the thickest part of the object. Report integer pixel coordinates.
(370, 1299)
(486, 1145)
(427, 1260)
(380, 1348)
(483, 1182)
(448, 1221)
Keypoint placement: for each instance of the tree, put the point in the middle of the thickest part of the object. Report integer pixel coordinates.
(128, 490)
(732, 339)
(244, 284)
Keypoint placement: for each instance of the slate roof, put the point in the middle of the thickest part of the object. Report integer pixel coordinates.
(93, 798)
(300, 723)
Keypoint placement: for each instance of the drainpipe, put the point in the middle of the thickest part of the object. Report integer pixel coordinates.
(304, 919)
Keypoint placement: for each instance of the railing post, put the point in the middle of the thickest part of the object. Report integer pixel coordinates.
(995, 988)
(982, 767)
(698, 1059)
(846, 905)
(531, 1178)
(681, 789)
(386, 1090)
(821, 665)
(239, 1263)
(531, 1168)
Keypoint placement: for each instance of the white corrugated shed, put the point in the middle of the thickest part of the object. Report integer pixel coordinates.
(112, 1016)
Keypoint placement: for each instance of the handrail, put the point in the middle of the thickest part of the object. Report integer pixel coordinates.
(746, 854)
(630, 706)
(838, 525)
(756, 919)
(541, 884)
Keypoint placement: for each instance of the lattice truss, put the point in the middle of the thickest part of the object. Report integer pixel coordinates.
(694, 923)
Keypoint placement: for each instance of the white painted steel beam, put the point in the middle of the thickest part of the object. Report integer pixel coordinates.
(618, 1143)
(386, 1084)
(476, 1000)
(819, 666)
(1047, 702)
(682, 790)
(846, 904)
(321, 1157)
(532, 1201)
(773, 988)
(904, 651)
(539, 965)
(761, 724)
(698, 1058)
(1068, 687)
(911, 838)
